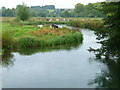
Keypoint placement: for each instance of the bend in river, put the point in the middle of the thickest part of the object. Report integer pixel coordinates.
(62, 68)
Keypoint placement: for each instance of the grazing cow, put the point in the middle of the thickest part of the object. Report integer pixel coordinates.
(54, 26)
(47, 19)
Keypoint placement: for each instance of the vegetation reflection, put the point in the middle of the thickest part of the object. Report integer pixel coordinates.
(8, 58)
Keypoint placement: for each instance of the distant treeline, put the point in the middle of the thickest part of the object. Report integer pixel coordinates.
(80, 10)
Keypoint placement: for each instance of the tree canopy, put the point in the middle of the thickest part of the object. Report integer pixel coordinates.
(110, 34)
(80, 10)
(22, 12)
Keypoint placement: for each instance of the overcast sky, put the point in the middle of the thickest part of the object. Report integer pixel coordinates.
(57, 3)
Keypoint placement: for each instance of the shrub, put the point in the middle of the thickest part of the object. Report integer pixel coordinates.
(22, 12)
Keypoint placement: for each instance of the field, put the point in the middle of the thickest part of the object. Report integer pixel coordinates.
(52, 19)
(31, 36)
(22, 34)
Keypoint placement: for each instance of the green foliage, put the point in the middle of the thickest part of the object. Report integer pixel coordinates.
(50, 11)
(79, 8)
(65, 14)
(110, 34)
(22, 12)
(7, 12)
(89, 10)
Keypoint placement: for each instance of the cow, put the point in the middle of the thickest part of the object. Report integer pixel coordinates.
(54, 26)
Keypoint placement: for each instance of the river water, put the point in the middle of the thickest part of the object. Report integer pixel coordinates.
(64, 67)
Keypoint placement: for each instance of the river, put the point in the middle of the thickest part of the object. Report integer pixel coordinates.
(73, 67)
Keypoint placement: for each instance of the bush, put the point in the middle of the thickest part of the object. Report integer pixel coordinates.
(22, 12)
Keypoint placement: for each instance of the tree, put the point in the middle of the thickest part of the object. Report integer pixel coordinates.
(79, 10)
(42, 14)
(8, 12)
(109, 36)
(87, 10)
(109, 52)
(65, 14)
(22, 12)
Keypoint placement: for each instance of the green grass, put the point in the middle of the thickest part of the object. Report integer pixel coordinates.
(28, 36)
(90, 23)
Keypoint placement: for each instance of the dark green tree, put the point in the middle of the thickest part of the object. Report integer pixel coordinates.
(42, 14)
(110, 34)
(79, 10)
(22, 12)
(65, 14)
(8, 12)
(89, 10)
(109, 52)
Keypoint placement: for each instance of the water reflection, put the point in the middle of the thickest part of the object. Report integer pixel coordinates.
(8, 57)
(59, 67)
(48, 49)
(69, 68)
(108, 78)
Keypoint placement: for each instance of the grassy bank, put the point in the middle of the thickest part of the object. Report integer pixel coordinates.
(28, 36)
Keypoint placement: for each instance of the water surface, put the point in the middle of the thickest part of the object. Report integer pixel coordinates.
(73, 67)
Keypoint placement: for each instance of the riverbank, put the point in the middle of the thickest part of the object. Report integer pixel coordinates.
(22, 34)
(31, 36)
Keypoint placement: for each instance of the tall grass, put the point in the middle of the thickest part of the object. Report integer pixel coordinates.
(29, 41)
(7, 40)
(87, 23)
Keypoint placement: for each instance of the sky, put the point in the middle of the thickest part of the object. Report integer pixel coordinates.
(57, 3)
